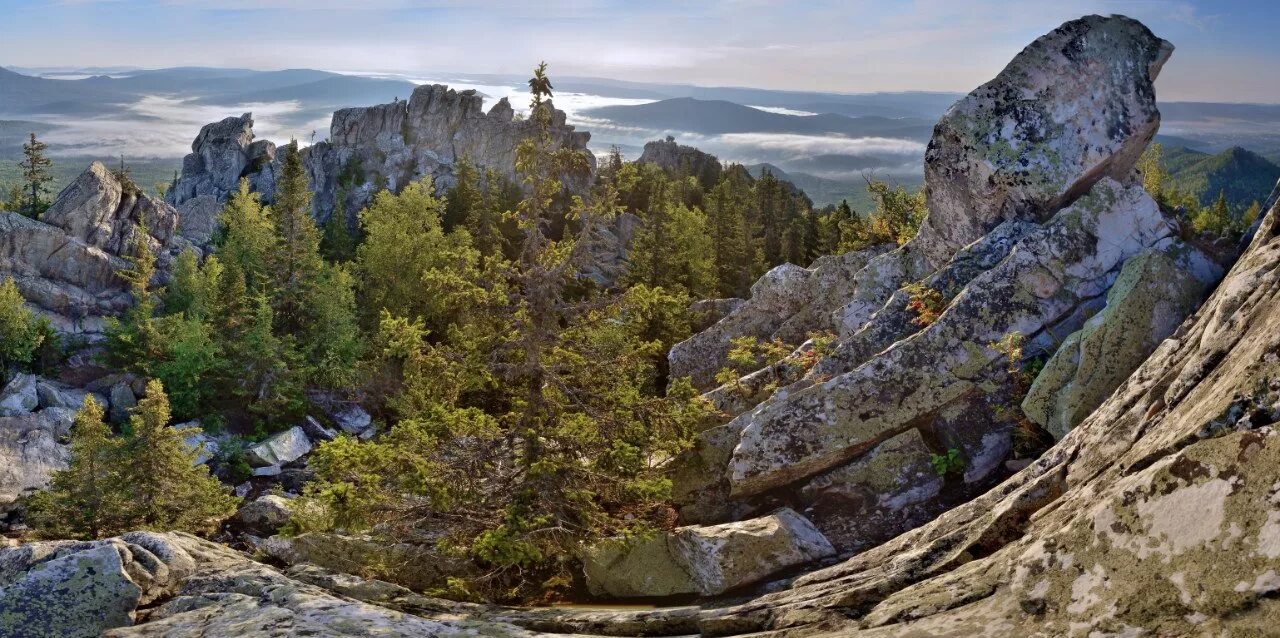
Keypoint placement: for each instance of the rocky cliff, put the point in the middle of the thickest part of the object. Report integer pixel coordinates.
(369, 148)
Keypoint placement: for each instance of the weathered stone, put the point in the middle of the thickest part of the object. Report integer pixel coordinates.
(1072, 258)
(280, 449)
(122, 402)
(876, 497)
(55, 395)
(1152, 295)
(688, 160)
(221, 154)
(265, 515)
(642, 567)
(417, 567)
(204, 445)
(1075, 106)
(75, 590)
(30, 452)
(19, 396)
(317, 431)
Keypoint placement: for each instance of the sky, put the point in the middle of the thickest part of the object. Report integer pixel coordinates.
(1226, 50)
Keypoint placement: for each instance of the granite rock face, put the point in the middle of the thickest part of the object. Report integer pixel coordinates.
(1034, 212)
(1076, 105)
(66, 265)
(707, 560)
(369, 148)
(687, 160)
(221, 154)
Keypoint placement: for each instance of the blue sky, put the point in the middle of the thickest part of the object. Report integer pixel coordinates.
(1227, 51)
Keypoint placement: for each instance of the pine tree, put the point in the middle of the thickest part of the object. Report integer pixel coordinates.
(83, 500)
(465, 198)
(734, 254)
(1215, 219)
(295, 261)
(165, 489)
(337, 245)
(36, 175)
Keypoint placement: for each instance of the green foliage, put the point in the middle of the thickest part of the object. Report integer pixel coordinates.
(528, 419)
(337, 245)
(1216, 219)
(145, 480)
(21, 335)
(294, 260)
(925, 302)
(947, 464)
(134, 340)
(36, 175)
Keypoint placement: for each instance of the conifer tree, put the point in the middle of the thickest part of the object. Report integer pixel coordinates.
(337, 245)
(295, 260)
(84, 500)
(248, 239)
(20, 334)
(164, 488)
(1216, 218)
(36, 175)
(734, 254)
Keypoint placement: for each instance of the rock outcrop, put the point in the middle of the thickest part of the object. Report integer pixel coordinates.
(683, 160)
(222, 153)
(66, 265)
(1034, 213)
(369, 148)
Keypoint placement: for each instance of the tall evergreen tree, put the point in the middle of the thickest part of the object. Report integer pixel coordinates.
(248, 240)
(134, 341)
(165, 488)
(36, 175)
(734, 253)
(295, 260)
(20, 334)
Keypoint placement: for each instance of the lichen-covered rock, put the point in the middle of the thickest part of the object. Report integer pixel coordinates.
(264, 515)
(418, 567)
(787, 303)
(74, 590)
(1072, 258)
(280, 449)
(1152, 295)
(122, 400)
(707, 560)
(866, 502)
(636, 568)
(30, 452)
(1076, 105)
(67, 264)
(673, 157)
(19, 396)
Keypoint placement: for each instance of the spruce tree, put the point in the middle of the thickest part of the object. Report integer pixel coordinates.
(133, 341)
(164, 488)
(84, 500)
(734, 254)
(36, 176)
(295, 260)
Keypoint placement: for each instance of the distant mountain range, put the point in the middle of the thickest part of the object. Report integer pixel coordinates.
(718, 117)
(823, 141)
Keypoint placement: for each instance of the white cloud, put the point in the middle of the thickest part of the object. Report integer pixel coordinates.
(798, 146)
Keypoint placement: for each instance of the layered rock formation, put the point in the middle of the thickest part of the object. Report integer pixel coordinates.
(1034, 216)
(682, 160)
(369, 148)
(66, 264)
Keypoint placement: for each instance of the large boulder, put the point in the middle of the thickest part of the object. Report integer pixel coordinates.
(67, 264)
(708, 560)
(1152, 295)
(1076, 105)
(1071, 259)
(787, 303)
(418, 567)
(30, 452)
(280, 449)
(264, 515)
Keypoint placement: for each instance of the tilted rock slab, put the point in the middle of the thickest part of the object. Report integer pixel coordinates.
(66, 265)
(1149, 299)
